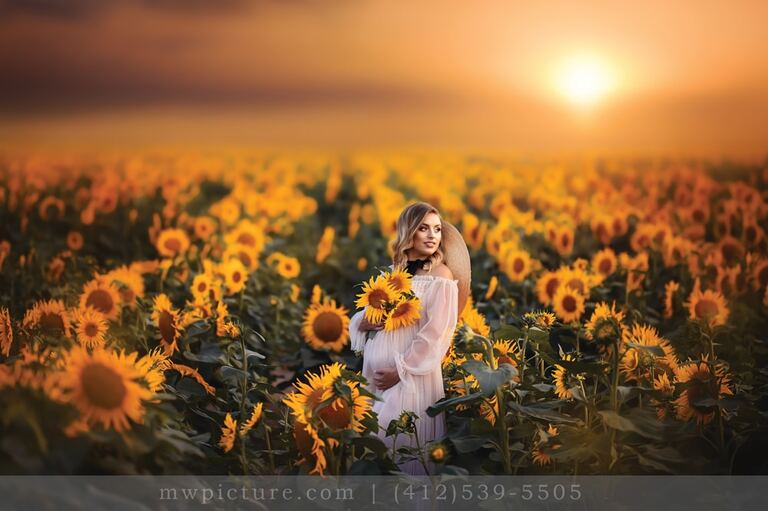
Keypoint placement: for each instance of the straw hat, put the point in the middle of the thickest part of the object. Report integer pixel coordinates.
(457, 259)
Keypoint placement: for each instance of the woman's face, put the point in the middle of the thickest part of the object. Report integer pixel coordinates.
(427, 237)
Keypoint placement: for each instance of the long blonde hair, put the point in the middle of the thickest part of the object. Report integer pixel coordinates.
(407, 223)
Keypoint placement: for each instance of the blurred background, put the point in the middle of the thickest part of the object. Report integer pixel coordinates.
(687, 77)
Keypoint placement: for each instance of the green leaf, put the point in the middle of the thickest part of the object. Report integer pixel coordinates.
(541, 411)
(510, 332)
(643, 423)
(444, 404)
(489, 379)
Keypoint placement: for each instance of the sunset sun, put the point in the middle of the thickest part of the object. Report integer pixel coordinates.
(584, 80)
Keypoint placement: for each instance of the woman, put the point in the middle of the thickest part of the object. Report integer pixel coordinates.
(403, 367)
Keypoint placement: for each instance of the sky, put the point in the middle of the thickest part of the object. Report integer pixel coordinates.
(671, 77)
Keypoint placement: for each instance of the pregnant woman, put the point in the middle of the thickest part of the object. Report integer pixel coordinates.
(403, 367)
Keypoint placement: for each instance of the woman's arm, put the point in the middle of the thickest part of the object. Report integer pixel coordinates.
(433, 339)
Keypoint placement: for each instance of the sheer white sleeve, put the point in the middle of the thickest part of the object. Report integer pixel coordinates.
(356, 337)
(426, 351)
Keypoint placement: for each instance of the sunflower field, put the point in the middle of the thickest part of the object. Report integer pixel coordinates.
(180, 311)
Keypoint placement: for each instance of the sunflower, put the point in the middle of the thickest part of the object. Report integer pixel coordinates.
(731, 250)
(252, 420)
(247, 233)
(473, 318)
(507, 352)
(568, 304)
(338, 412)
(286, 266)
(91, 328)
(225, 328)
(172, 242)
(700, 385)
(638, 363)
(204, 288)
(74, 241)
(670, 288)
(708, 306)
(564, 240)
(399, 280)
(51, 208)
(326, 326)
(166, 319)
(362, 263)
(605, 324)
(517, 265)
(405, 313)
(539, 456)
(6, 331)
(102, 296)
(577, 279)
(564, 379)
(376, 293)
(547, 285)
(247, 255)
(492, 285)
(104, 386)
(604, 262)
(325, 245)
(50, 317)
(438, 452)
(760, 275)
(235, 276)
(194, 374)
(129, 282)
(204, 227)
(228, 430)
(541, 319)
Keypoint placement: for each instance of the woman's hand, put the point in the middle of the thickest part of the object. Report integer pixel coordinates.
(366, 325)
(385, 378)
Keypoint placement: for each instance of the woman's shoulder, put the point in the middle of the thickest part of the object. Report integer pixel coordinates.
(443, 271)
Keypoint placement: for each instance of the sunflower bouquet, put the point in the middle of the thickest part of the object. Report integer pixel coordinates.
(389, 298)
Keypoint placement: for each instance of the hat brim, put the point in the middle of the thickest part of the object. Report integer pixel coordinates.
(457, 259)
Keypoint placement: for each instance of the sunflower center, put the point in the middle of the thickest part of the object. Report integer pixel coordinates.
(706, 309)
(173, 244)
(605, 266)
(698, 391)
(236, 277)
(246, 239)
(731, 252)
(576, 284)
(166, 325)
(51, 212)
(402, 310)
(245, 259)
(328, 326)
(91, 329)
(377, 298)
(52, 323)
(201, 287)
(518, 265)
(101, 300)
(569, 303)
(103, 387)
(337, 415)
(552, 287)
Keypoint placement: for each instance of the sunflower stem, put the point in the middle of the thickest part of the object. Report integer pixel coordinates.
(267, 429)
(614, 396)
(503, 431)
(525, 347)
(418, 448)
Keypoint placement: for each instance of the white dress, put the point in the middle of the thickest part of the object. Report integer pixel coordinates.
(417, 352)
